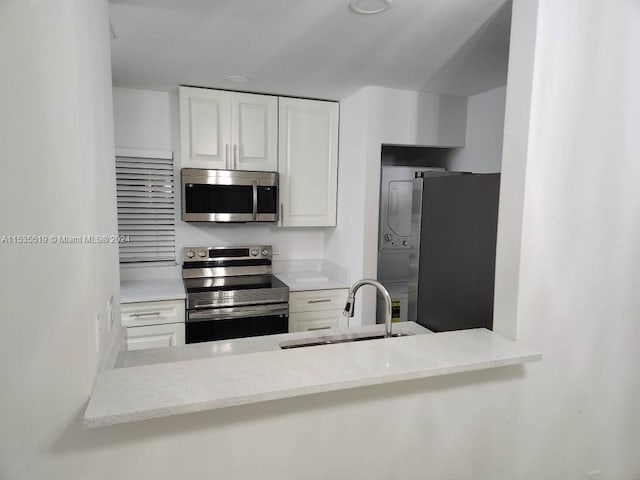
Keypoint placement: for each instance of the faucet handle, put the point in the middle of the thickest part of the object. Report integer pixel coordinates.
(348, 308)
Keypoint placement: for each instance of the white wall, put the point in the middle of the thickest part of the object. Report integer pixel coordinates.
(579, 260)
(573, 413)
(56, 133)
(482, 152)
(149, 120)
(515, 149)
(142, 119)
(418, 118)
(344, 243)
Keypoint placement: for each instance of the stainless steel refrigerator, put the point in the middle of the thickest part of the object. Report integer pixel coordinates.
(454, 220)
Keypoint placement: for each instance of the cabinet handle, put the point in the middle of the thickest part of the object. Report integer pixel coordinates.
(281, 217)
(235, 156)
(324, 300)
(226, 156)
(149, 314)
(318, 328)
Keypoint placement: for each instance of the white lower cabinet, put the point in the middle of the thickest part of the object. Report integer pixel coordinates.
(154, 324)
(317, 310)
(324, 320)
(155, 336)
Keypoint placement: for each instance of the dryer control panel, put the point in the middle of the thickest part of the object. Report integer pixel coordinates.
(396, 190)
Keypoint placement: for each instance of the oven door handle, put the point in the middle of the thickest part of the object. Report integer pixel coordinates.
(236, 312)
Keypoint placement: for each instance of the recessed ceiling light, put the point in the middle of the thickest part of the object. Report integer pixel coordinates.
(236, 78)
(369, 7)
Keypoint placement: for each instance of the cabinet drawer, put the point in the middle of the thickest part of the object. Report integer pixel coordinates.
(316, 300)
(322, 320)
(155, 336)
(152, 313)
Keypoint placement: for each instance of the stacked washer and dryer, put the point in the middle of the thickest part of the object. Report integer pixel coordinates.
(394, 242)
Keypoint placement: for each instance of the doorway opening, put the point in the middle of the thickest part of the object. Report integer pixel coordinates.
(399, 241)
(398, 165)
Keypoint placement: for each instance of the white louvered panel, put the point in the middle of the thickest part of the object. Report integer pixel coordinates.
(146, 200)
(157, 255)
(127, 207)
(151, 219)
(128, 229)
(137, 190)
(145, 166)
(142, 250)
(148, 187)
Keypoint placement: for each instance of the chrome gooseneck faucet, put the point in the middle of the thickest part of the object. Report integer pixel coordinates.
(348, 309)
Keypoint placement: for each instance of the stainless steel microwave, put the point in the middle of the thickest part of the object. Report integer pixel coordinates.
(229, 196)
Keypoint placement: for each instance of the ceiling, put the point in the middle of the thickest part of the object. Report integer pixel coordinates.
(311, 48)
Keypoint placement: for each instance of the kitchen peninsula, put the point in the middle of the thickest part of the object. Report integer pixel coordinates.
(122, 395)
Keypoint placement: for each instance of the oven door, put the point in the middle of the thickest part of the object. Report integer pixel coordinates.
(236, 322)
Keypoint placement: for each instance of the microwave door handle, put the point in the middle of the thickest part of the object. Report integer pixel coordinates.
(255, 200)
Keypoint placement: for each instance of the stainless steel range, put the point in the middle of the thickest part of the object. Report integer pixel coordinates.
(231, 293)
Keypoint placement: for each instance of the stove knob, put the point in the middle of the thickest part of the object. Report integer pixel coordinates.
(191, 254)
(254, 252)
(202, 253)
(405, 243)
(265, 253)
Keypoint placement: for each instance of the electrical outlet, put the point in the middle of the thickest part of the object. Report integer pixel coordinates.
(98, 332)
(111, 313)
(593, 475)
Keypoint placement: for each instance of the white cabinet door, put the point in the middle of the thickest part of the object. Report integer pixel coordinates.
(254, 132)
(307, 162)
(228, 130)
(205, 128)
(155, 336)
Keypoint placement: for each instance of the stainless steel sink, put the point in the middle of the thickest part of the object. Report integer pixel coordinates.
(331, 339)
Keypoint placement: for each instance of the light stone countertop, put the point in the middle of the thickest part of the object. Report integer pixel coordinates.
(133, 291)
(296, 285)
(142, 392)
(298, 275)
(313, 274)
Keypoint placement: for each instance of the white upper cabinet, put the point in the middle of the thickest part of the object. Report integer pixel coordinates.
(254, 133)
(308, 162)
(228, 130)
(205, 127)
